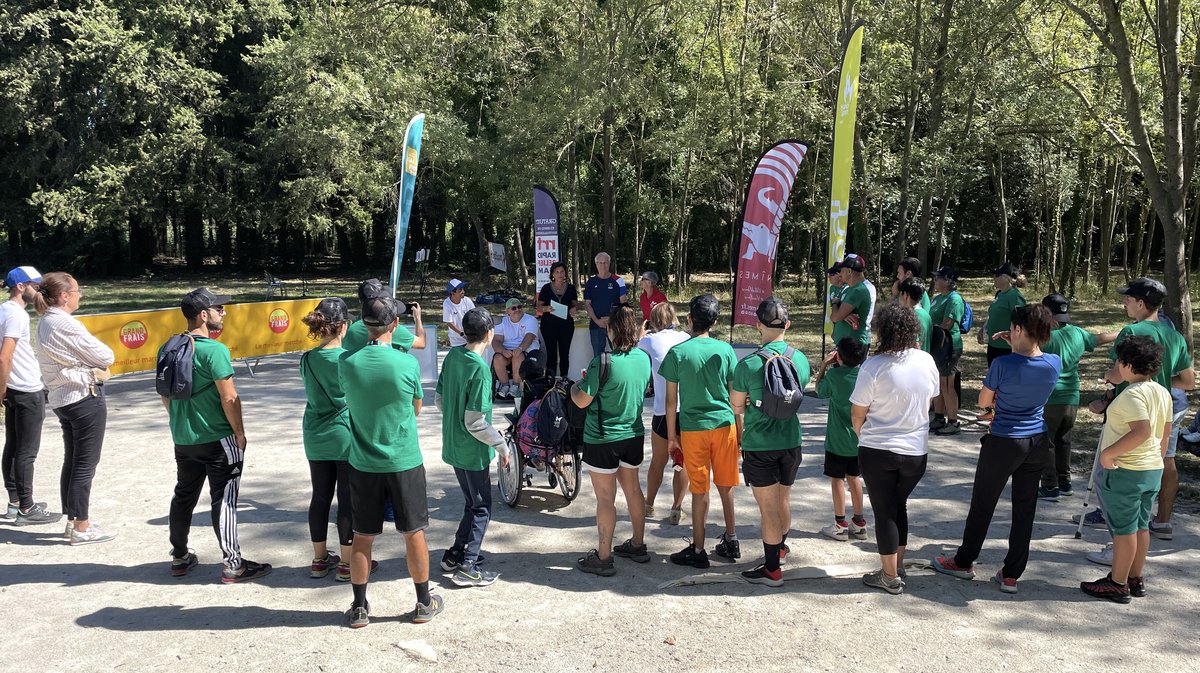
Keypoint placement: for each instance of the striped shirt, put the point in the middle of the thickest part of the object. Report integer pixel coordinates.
(67, 353)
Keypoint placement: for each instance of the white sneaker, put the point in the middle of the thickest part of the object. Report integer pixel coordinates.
(1103, 557)
(836, 531)
(857, 532)
(93, 535)
(70, 529)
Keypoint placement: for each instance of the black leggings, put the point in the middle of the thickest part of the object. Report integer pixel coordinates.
(329, 476)
(890, 479)
(556, 339)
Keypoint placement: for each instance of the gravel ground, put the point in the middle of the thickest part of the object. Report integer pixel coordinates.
(115, 607)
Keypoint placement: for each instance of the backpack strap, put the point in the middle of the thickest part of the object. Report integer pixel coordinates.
(304, 361)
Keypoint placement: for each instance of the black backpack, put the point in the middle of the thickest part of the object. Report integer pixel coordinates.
(553, 417)
(173, 373)
(782, 390)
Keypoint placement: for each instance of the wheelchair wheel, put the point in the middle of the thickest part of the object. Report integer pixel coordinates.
(569, 466)
(511, 479)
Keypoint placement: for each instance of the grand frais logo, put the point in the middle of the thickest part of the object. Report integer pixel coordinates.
(134, 334)
(279, 321)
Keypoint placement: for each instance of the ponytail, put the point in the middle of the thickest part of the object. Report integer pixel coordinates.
(52, 286)
(1019, 281)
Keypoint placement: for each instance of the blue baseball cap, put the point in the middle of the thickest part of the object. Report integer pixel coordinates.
(22, 274)
(454, 286)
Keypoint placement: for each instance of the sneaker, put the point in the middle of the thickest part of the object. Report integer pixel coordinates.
(634, 552)
(676, 517)
(892, 585)
(1093, 519)
(426, 613)
(937, 423)
(93, 535)
(1048, 494)
(359, 615)
(1103, 557)
(858, 532)
(1064, 487)
(946, 566)
(950, 428)
(37, 515)
(183, 566)
(1162, 531)
(784, 550)
(13, 510)
(473, 577)
(451, 560)
(1106, 588)
(322, 566)
(343, 570)
(68, 530)
(1007, 584)
(592, 563)
(730, 549)
(1137, 587)
(649, 512)
(837, 531)
(760, 575)
(247, 572)
(688, 556)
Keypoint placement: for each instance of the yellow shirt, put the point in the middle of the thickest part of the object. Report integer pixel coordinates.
(1146, 401)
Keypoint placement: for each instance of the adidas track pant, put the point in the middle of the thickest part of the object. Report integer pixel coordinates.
(221, 463)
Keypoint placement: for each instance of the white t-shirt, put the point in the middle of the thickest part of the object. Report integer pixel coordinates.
(656, 346)
(514, 332)
(874, 300)
(452, 314)
(896, 389)
(26, 375)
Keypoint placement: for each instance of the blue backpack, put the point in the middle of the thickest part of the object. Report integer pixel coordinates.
(968, 318)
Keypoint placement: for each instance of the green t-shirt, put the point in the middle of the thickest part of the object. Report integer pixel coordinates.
(201, 419)
(925, 301)
(356, 337)
(326, 423)
(762, 432)
(622, 397)
(702, 367)
(926, 327)
(836, 386)
(999, 318)
(1175, 349)
(859, 297)
(950, 307)
(1069, 343)
(465, 384)
(380, 385)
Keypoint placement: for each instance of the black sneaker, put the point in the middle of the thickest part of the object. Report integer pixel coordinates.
(1064, 487)
(451, 560)
(1048, 494)
(36, 515)
(690, 557)
(761, 575)
(184, 565)
(1107, 589)
(633, 552)
(948, 428)
(359, 615)
(592, 563)
(730, 549)
(247, 572)
(1137, 587)
(937, 423)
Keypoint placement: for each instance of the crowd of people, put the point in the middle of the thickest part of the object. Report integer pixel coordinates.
(891, 380)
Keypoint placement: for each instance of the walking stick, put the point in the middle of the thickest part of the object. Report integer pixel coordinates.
(1088, 493)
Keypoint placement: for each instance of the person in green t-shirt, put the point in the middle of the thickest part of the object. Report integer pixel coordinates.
(909, 267)
(402, 339)
(1069, 342)
(383, 395)
(326, 429)
(210, 441)
(835, 382)
(946, 312)
(469, 443)
(614, 438)
(1008, 281)
(833, 276)
(911, 292)
(701, 424)
(851, 317)
(770, 445)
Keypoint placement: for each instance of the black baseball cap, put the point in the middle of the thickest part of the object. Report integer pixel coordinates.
(379, 311)
(835, 269)
(372, 287)
(773, 313)
(1144, 288)
(476, 323)
(200, 299)
(705, 307)
(334, 309)
(854, 263)
(1006, 269)
(1059, 305)
(947, 272)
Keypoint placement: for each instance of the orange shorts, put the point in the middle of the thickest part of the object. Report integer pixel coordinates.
(715, 450)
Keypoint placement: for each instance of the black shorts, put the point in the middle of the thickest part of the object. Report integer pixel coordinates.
(767, 468)
(370, 492)
(947, 364)
(945, 355)
(658, 425)
(839, 467)
(606, 458)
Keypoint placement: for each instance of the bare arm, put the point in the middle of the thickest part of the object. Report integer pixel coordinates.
(580, 398)
(1106, 338)
(842, 312)
(232, 405)
(417, 404)
(166, 402)
(986, 397)
(419, 330)
(498, 345)
(1139, 431)
(858, 416)
(526, 342)
(672, 415)
(1184, 380)
(738, 400)
(6, 358)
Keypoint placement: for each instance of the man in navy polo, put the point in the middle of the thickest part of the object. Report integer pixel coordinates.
(603, 291)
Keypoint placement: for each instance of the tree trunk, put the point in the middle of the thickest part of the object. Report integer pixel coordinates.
(923, 235)
(193, 232)
(997, 166)
(522, 269)
(910, 124)
(941, 231)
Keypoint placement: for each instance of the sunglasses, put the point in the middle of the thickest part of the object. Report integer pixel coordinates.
(516, 308)
(219, 309)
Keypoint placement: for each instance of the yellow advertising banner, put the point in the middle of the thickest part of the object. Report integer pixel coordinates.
(843, 154)
(250, 330)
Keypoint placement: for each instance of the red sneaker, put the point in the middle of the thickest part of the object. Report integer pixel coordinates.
(946, 566)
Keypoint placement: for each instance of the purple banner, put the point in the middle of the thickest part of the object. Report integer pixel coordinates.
(545, 233)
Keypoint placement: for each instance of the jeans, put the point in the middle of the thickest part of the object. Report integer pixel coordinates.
(83, 436)
(476, 486)
(890, 479)
(23, 416)
(599, 340)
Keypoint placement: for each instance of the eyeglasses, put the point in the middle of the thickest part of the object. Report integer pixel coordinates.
(219, 309)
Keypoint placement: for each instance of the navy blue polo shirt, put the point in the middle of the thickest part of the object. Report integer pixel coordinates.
(603, 293)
